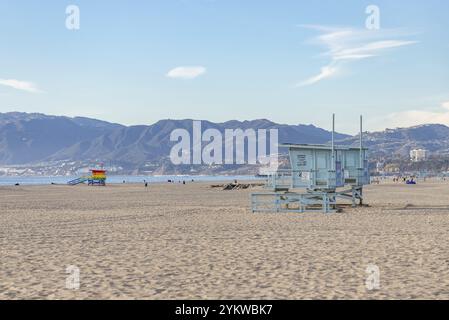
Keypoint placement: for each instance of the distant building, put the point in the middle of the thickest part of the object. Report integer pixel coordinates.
(417, 155)
(380, 167)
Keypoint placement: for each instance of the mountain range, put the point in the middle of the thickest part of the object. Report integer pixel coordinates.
(398, 142)
(31, 138)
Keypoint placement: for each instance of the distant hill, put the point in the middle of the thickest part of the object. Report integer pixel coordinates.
(37, 138)
(29, 138)
(399, 141)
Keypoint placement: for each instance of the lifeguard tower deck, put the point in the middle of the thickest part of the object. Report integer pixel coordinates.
(319, 170)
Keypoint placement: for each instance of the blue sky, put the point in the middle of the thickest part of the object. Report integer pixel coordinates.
(288, 61)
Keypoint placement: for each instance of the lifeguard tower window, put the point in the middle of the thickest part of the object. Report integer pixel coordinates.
(350, 162)
(302, 160)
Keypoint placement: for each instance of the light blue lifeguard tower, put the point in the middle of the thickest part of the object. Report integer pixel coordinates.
(319, 170)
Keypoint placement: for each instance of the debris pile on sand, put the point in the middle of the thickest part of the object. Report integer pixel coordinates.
(237, 186)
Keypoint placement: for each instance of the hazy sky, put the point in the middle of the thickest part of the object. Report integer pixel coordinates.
(136, 62)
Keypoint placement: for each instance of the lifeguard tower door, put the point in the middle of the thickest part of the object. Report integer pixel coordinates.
(302, 168)
(322, 166)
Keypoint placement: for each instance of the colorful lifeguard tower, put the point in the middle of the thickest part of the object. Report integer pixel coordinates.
(320, 170)
(98, 178)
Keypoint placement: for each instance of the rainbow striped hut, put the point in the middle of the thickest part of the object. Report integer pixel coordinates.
(98, 178)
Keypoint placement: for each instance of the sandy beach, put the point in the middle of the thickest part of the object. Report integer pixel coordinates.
(172, 241)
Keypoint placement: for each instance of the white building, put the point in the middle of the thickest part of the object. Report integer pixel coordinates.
(380, 167)
(417, 155)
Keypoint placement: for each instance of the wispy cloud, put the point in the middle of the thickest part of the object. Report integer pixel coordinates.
(417, 117)
(348, 44)
(186, 72)
(326, 72)
(20, 85)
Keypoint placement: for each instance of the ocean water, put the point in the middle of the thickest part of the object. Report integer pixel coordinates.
(41, 180)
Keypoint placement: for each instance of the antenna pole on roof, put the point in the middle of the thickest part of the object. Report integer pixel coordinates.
(361, 142)
(333, 146)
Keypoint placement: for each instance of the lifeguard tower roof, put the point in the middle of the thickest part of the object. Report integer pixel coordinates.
(317, 146)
